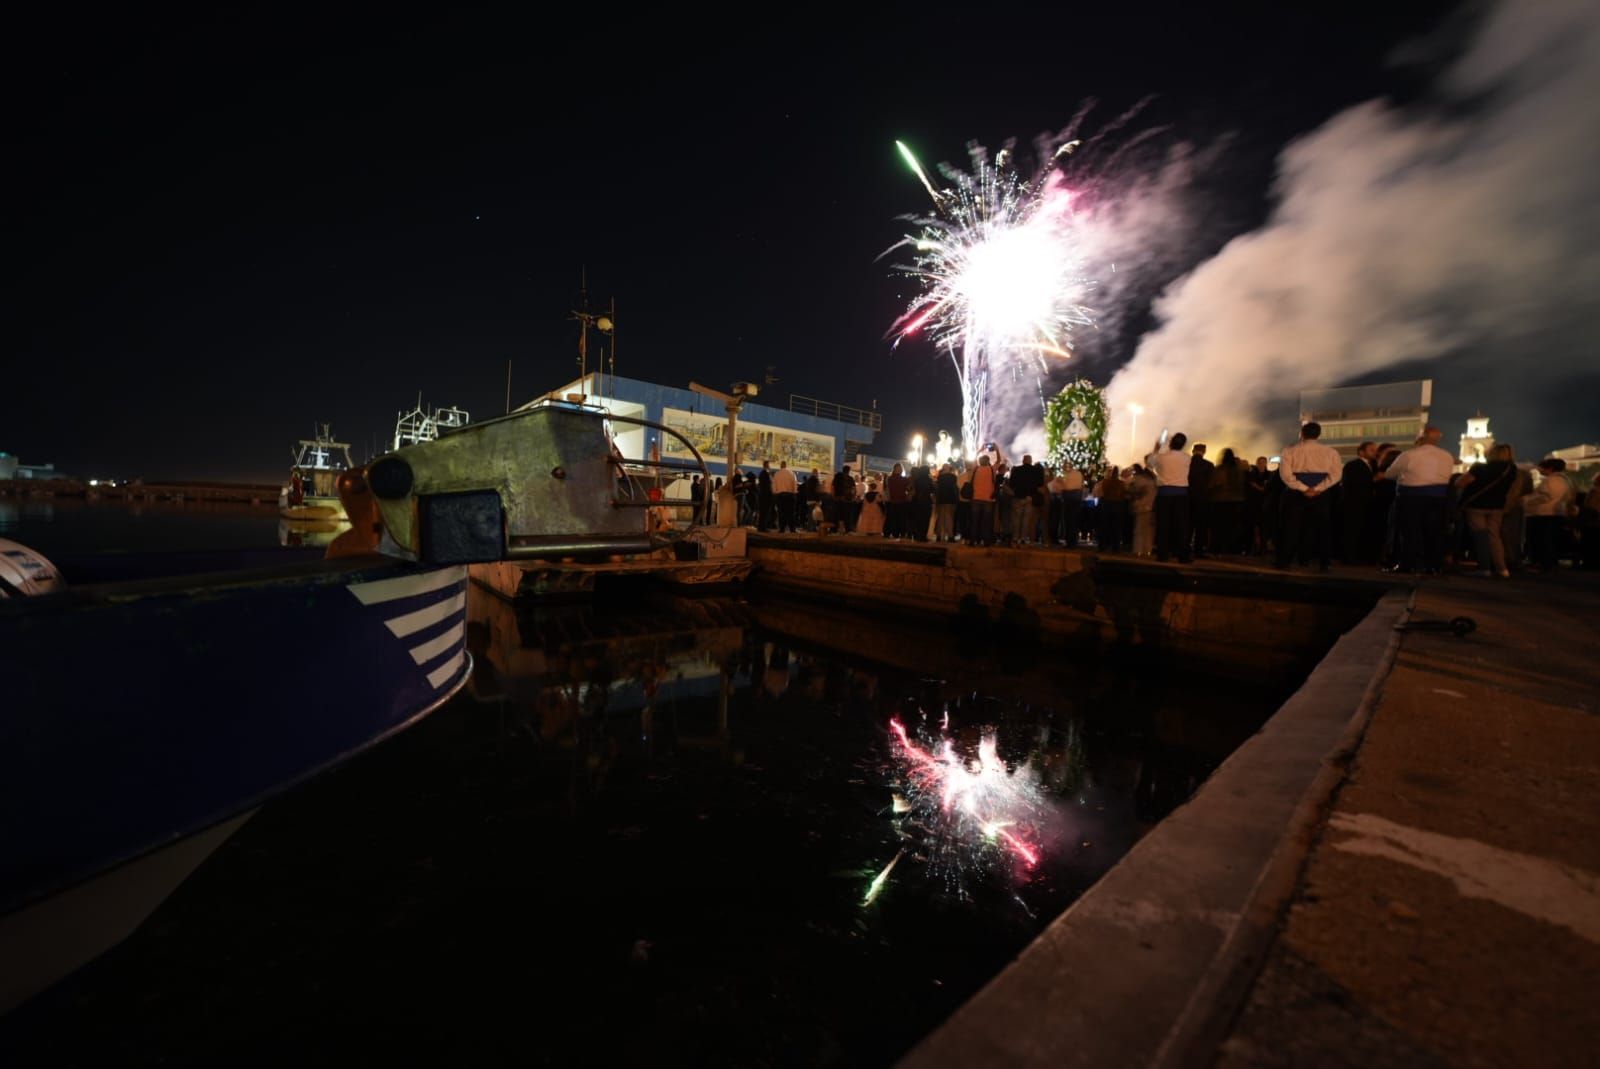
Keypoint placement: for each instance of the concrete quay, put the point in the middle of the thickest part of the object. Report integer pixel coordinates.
(1401, 868)
(1449, 911)
(1234, 618)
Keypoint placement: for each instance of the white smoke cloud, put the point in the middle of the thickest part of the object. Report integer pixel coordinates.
(1467, 229)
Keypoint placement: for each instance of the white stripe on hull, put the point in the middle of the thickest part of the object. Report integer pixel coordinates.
(406, 586)
(429, 650)
(412, 622)
(445, 672)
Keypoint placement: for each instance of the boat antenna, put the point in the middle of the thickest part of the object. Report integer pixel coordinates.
(613, 347)
(584, 322)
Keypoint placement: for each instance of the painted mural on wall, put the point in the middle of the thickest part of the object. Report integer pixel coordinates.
(757, 441)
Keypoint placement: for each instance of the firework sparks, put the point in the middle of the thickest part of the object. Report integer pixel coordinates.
(971, 808)
(875, 888)
(1003, 273)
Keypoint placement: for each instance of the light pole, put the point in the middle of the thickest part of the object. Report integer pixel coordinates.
(1134, 408)
(742, 392)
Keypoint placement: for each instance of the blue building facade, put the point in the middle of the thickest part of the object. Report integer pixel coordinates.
(805, 441)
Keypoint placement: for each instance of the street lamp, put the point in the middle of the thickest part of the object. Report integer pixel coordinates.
(1134, 408)
(732, 403)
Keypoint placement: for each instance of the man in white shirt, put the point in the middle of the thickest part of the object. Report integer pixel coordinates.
(784, 488)
(1309, 470)
(1422, 487)
(1171, 467)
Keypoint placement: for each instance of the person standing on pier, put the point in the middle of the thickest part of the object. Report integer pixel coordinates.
(1170, 466)
(1227, 503)
(784, 489)
(1255, 507)
(1547, 509)
(1355, 497)
(1422, 482)
(1066, 493)
(1111, 513)
(1024, 482)
(921, 501)
(1200, 472)
(898, 490)
(1381, 539)
(1483, 505)
(871, 521)
(1142, 504)
(764, 496)
(946, 496)
(844, 499)
(1309, 470)
(983, 495)
(1589, 530)
(810, 497)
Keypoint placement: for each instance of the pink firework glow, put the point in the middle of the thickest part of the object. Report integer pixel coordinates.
(979, 803)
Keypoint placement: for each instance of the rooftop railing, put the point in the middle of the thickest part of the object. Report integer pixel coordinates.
(810, 406)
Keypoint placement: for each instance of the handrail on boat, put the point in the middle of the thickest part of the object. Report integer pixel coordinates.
(702, 512)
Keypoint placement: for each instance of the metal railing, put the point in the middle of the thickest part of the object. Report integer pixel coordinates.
(810, 406)
(629, 471)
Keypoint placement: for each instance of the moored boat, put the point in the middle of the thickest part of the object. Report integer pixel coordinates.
(311, 492)
(153, 702)
(147, 713)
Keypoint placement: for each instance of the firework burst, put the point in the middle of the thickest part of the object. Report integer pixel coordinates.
(964, 817)
(1004, 277)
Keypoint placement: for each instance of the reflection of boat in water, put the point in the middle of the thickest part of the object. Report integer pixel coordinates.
(310, 532)
(154, 701)
(312, 492)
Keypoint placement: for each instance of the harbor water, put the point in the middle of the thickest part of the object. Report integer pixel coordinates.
(661, 830)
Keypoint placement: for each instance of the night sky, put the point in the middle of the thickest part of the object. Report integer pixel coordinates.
(223, 231)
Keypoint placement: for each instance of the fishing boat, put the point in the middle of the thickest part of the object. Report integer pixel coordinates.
(154, 701)
(311, 493)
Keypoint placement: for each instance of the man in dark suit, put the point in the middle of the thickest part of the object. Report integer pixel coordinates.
(1355, 499)
(844, 500)
(1200, 470)
(921, 501)
(810, 496)
(764, 497)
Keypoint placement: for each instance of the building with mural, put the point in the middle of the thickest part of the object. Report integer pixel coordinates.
(808, 433)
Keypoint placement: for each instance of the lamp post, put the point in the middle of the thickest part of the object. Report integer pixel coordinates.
(742, 392)
(1134, 408)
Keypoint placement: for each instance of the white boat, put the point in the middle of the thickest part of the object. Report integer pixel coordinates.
(423, 425)
(312, 492)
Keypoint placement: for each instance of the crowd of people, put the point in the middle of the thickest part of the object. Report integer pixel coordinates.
(1405, 509)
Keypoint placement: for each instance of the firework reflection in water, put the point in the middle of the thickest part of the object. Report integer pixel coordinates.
(966, 816)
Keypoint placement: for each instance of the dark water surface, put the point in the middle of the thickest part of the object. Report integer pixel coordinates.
(647, 833)
(67, 526)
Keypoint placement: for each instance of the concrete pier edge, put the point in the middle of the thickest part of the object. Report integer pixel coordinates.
(1151, 964)
(1218, 997)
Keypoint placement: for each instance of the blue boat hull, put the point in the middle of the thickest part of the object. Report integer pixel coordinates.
(134, 715)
